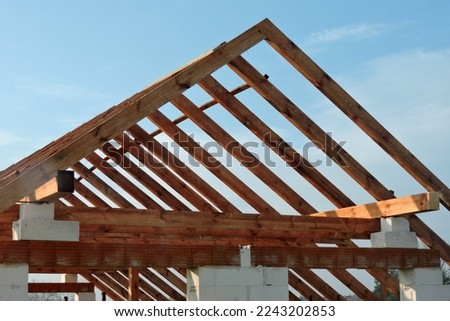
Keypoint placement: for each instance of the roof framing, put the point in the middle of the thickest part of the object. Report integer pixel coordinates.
(161, 196)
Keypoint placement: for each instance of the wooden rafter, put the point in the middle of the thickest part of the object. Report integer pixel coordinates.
(318, 284)
(304, 289)
(275, 142)
(243, 155)
(212, 164)
(103, 287)
(101, 186)
(180, 169)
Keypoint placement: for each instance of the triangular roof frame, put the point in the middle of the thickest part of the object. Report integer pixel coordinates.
(23, 178)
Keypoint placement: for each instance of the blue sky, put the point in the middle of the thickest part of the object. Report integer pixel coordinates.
(61, 63)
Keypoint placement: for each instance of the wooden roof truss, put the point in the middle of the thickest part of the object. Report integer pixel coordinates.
(146, 214)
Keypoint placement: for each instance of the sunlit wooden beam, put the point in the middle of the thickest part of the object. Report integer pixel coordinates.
(59, 186)
(393, 207)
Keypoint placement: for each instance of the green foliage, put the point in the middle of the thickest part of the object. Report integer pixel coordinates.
(378, 290)
(395, 273)
(445, 273)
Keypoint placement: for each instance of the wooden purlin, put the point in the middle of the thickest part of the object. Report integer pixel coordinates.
(21, 179)
(245, 157)
(350, 107)
(212, 164)
(182, 170)
(322, 81)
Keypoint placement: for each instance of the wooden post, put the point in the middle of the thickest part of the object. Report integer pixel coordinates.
(133, 285)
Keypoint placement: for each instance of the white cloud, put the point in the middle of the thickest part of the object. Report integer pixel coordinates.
(360, 31)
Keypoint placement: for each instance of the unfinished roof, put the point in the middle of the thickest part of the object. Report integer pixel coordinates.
(146, 205)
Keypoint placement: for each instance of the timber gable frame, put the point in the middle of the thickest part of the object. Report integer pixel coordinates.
(92, 150)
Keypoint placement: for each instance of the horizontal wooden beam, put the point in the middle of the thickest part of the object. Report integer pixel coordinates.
(393, 207)
(61, 185)
(107, 225)
(60, 287)
(122, 256)
(228, 220)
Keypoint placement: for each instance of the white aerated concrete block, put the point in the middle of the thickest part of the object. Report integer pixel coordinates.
(394, 224)
(268, 293)
(13, 282)
(46, 230)
(222, 293)
(237, 283)
(245, 255)
(45, 211)
(425, 293)
(273, 276)
(403, 239)
(421, 276)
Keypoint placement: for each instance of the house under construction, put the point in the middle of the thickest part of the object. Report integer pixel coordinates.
(113, 203)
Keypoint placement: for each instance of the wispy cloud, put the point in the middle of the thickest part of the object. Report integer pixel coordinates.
(360, 31)
(7, 138)
(60, 90)
(408, 93)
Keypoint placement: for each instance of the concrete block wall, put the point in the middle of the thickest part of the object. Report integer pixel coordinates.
(13, 282)
(419, 284)
(237, 284)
